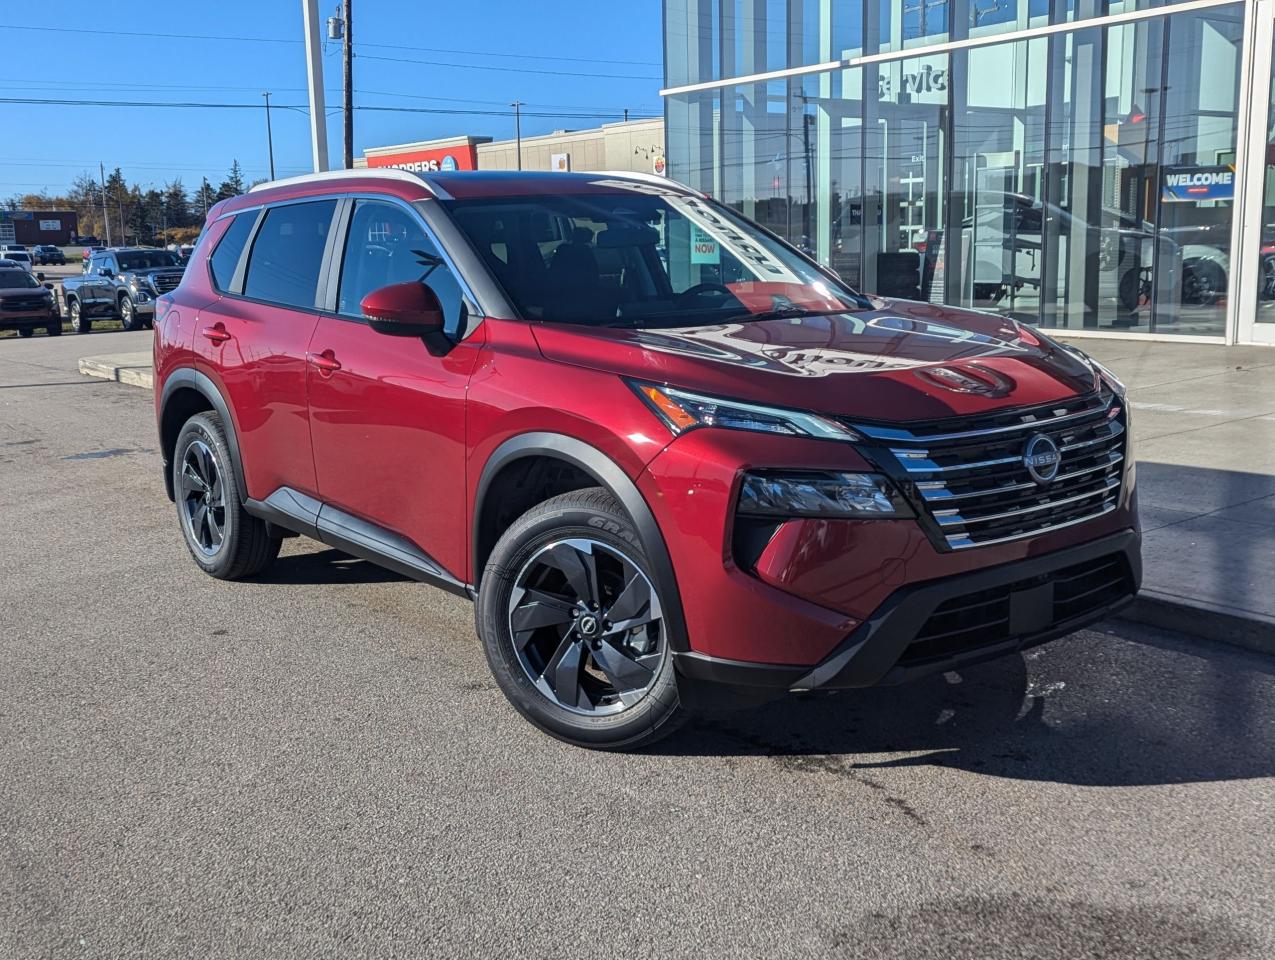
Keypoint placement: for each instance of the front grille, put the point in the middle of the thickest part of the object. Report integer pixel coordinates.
(968, 477)
(164, 282)
(1015, 611)
(24, 304)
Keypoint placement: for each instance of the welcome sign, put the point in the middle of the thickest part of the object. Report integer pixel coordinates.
(1181, 184)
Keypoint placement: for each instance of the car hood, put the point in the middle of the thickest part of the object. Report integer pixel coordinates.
(7, 292)
(897, 361)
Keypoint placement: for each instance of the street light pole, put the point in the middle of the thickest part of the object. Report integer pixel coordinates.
(269, 134)
(314, 76)
(106, 220)
(348, 67)
(517, 105)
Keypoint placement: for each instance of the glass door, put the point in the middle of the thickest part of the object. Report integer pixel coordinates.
(1255, 298)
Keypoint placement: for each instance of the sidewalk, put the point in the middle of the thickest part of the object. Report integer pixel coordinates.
(1204, 438)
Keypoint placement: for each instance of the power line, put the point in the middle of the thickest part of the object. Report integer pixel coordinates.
(382, 108)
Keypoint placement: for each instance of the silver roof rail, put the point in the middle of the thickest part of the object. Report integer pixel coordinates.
(375, 173)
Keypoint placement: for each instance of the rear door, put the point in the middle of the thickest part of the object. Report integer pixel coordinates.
(252, 341)
(387, 417)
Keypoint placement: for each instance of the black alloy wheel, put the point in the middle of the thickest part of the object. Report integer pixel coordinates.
(203, 499)
(574, 626)
(586, 623)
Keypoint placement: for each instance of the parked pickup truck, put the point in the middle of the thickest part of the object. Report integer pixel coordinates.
(120, 282)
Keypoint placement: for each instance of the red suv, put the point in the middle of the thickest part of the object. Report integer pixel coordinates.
(666, 454)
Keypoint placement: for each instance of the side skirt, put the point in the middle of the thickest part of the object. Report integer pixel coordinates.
(320, 521)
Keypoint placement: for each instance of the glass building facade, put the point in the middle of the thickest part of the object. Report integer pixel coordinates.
(1094, 166)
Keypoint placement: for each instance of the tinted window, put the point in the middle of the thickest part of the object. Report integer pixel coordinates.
(226, 257)
(148, 260)
(387, 245)
(288, 254)
(16, 280)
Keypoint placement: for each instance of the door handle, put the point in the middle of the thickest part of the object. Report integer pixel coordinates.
(216, 333)
(326, 361)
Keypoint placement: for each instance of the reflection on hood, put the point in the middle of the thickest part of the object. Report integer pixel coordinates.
(754, 345)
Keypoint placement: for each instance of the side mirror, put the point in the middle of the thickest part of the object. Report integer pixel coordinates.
(40, 277)
(404, 310)
(48, 286)
(107, 272)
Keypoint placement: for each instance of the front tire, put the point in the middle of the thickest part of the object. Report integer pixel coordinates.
(223, 538)
(128, 314)
(25, 331)
(79, 322)
(573, 627)
(54, 329)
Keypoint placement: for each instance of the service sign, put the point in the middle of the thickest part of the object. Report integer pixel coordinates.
(51, 226)
(1187, 184)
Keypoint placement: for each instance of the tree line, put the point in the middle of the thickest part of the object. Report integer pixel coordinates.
(153, 215)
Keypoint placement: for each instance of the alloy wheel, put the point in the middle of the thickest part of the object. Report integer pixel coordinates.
(587, 627)
(203, 499)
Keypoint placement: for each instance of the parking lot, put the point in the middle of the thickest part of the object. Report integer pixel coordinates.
(318, 764)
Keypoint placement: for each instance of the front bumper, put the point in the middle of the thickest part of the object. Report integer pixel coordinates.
(955, 621)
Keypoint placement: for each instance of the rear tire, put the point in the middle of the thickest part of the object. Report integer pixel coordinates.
(224, 539)
(573, 628)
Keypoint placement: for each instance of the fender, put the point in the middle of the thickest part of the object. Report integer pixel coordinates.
(608, 474)
(190, 378)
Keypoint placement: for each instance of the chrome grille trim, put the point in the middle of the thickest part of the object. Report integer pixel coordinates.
(971, 485)
(960, 543)
(953, 518)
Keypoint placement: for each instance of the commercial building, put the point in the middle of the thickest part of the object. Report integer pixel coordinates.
(30, 227)
(634, 145)
(1103, 167)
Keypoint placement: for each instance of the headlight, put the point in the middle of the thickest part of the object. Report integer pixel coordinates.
(681, 410)
(835, 495)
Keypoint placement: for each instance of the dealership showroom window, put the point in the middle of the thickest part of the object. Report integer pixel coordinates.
(1095, 166)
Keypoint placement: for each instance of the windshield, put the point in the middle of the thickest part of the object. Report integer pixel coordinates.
(638, 259)
(147, 260)
(17, 280)
(17, 256)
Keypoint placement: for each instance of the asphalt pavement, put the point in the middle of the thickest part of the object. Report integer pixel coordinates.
(317, 764)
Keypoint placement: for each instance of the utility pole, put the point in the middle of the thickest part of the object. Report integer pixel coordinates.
(269, 134)
(106, 221)
(314, 76)
(626, 114)
(517, 105)
(348, 69)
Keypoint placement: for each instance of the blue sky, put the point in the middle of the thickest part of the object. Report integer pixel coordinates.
(46, 146)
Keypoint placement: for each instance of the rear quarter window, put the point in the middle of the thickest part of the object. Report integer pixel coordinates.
(229, 249)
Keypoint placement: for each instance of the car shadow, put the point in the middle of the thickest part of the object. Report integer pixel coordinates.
(1098, 710)
(326, 567)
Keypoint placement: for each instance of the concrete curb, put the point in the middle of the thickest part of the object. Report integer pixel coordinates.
(131, 368)
(1198, 618)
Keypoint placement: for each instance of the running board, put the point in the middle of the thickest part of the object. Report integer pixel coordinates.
(323, 522)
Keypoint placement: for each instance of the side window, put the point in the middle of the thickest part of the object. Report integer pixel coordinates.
(387, 245)
(225, 258)
(287, 255)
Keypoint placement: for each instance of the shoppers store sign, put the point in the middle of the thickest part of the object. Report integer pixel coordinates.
(1186, 184)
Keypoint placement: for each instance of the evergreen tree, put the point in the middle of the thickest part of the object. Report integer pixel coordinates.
(233, 185)
(204, 198)
(176, 206)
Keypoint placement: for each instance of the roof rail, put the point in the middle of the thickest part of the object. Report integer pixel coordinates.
(386, 173)
(647, 178)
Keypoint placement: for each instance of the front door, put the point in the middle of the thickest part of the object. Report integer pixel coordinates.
(386, 416)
